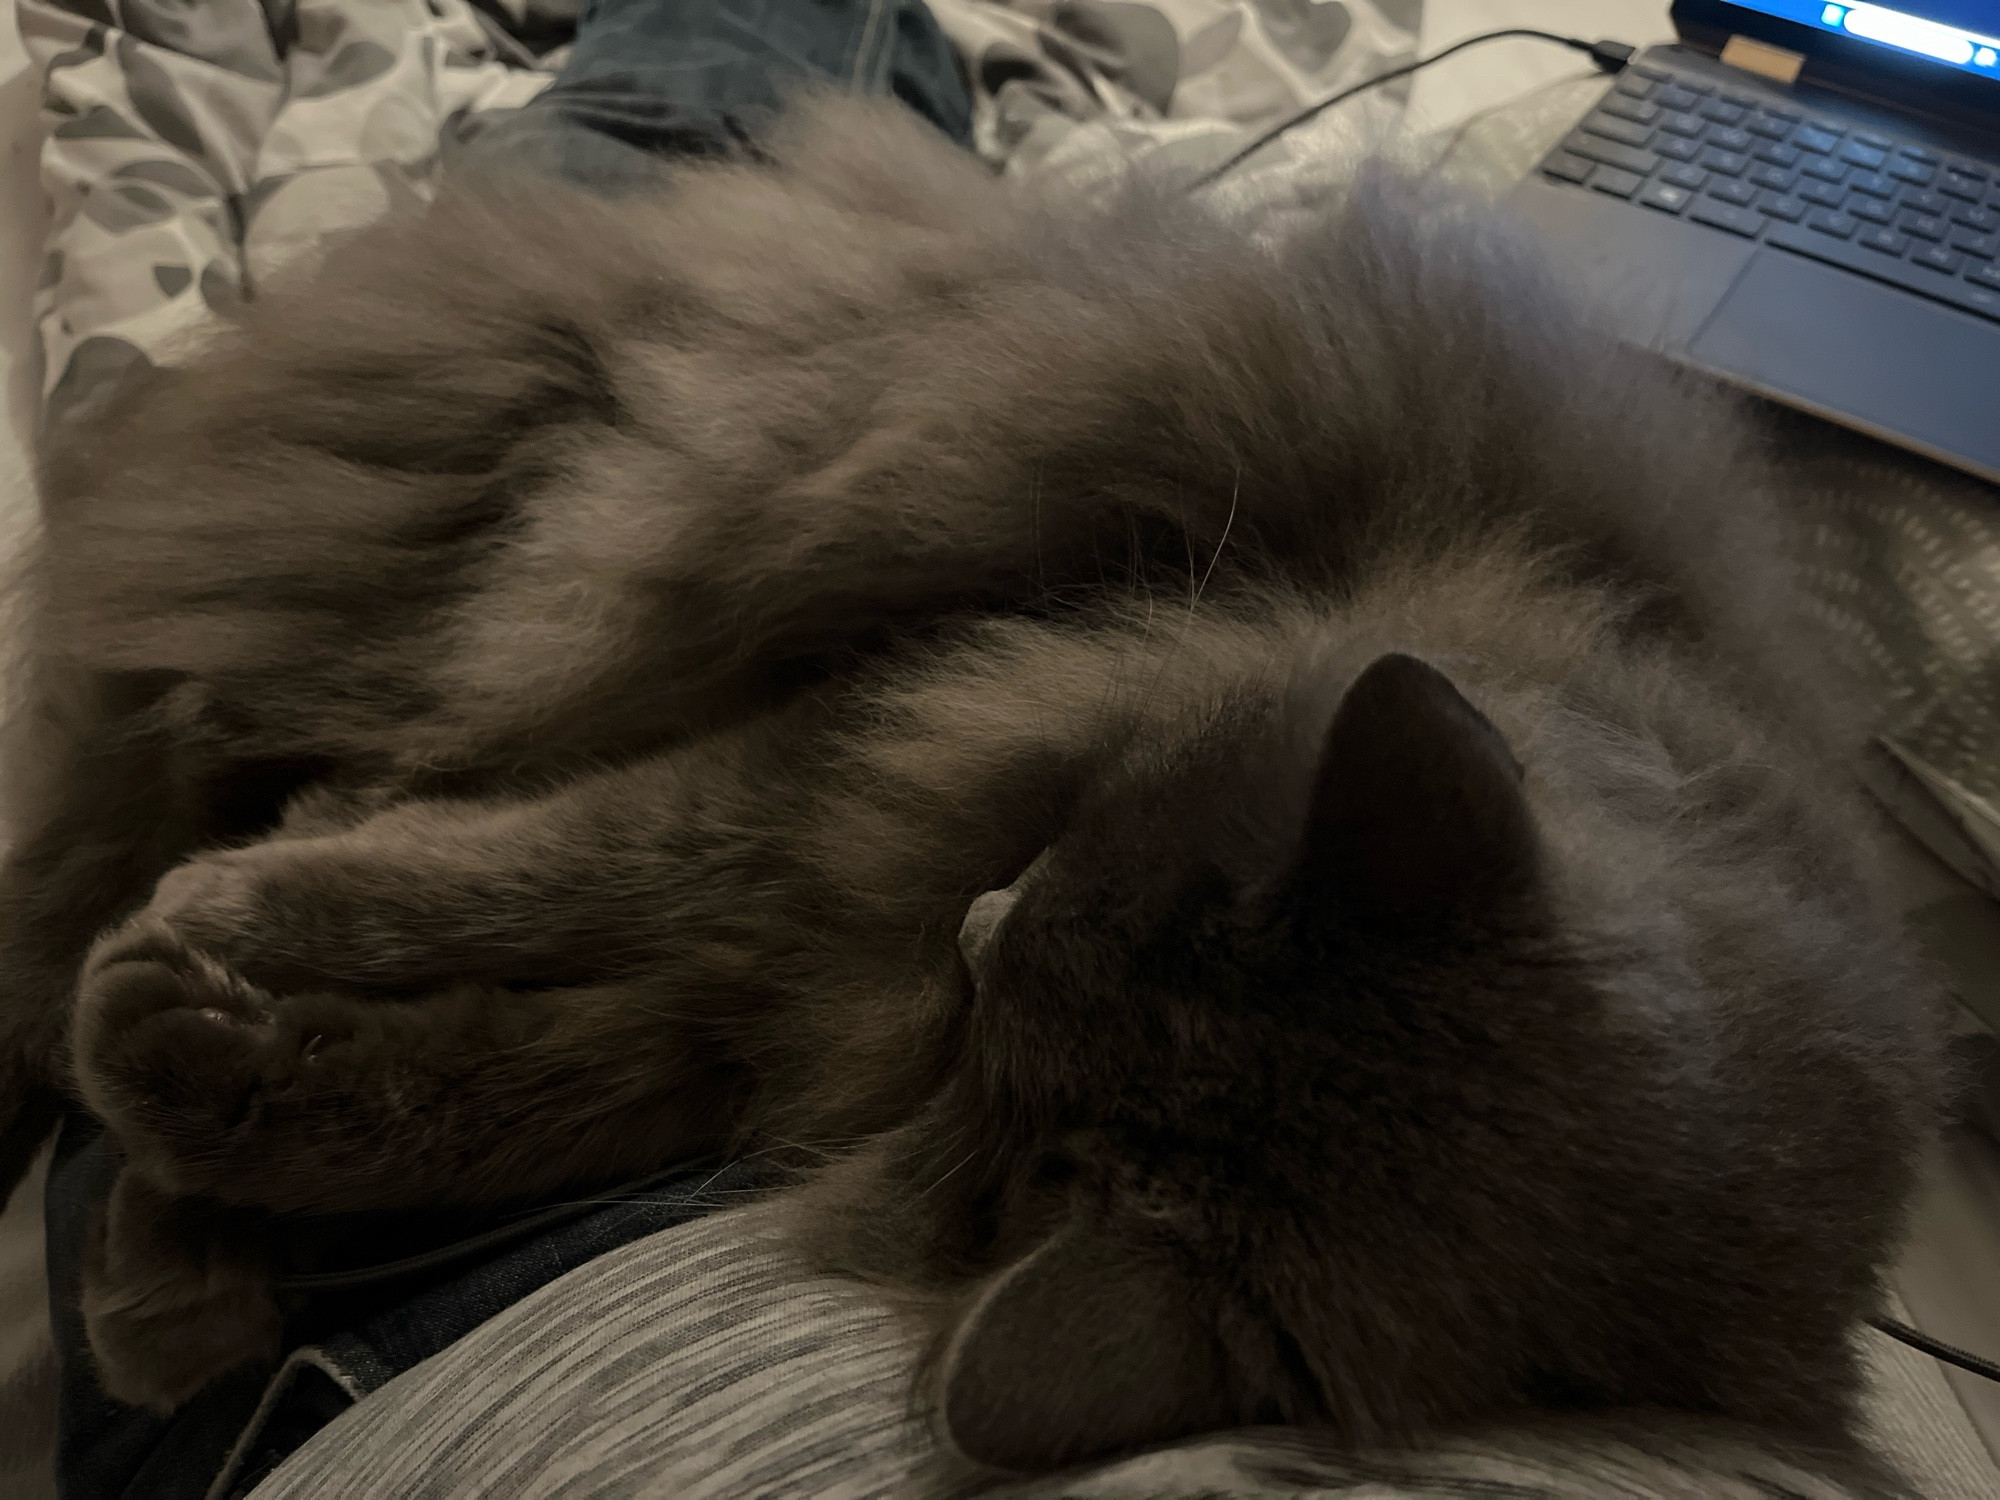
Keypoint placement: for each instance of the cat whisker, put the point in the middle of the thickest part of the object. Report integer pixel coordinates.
(1235, 494)
(942, 1180)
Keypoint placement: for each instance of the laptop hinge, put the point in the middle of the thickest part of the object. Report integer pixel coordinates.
(1761, 58)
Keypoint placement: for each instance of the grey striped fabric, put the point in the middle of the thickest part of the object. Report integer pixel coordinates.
(704, 1363)
(693, 1363)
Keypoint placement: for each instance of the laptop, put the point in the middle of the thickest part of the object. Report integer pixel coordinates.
(1802, 198)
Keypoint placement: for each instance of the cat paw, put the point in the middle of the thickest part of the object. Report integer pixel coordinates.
(294, 914)
(174, 1294)
(181, 1057)
(214, 903)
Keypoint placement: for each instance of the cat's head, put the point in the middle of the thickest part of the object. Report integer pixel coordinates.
(1202, 1031)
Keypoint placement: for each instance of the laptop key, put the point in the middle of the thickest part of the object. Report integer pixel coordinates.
(1723, 112)
(1958, 185)
(1972, 216)
(1958, 291)
(1875, 184)
(1724, 216)
(1568, 166)
(1636, 110)
(1737, 97)
(1882, 241)
(1677, 96)
(1665, 197)
(1634, 85)
(1681, 175)
(1827, 222)
(1677, 147)
(1826, 169)
(1615, 182)
(1976, 297)
(1984, 275)
(1782, 206)
(1936, 258)
(1926, 202)
(1625, 132)
(1739, 193)
(1777, 179)
(1690, 126)
(1771, 127)
(1879, 142)
(1812, 138)
(1777, 153)
(1918, 172)
(1918, 153)
(1731, 140)
(1985, 246)
(1650, 71)
(1874, 210)
(1867, 157)
(1625, 158)
(1728, 163)
(1821, 193)
(1925, 227)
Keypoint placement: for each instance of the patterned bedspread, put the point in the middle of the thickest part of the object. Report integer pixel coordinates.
(196, 147)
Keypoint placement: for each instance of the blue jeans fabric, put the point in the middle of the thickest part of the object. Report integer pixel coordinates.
(651, 79)
(370, 1295)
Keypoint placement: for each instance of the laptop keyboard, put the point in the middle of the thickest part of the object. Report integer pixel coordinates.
(1750, 165)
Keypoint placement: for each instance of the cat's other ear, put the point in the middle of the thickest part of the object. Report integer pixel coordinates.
(1418, 806)
(1083, 1348)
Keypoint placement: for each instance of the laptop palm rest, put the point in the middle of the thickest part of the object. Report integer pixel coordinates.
(1866, 355)
(1655, 279)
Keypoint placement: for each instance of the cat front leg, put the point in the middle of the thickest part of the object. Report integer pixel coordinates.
(323, 1102)
(175, 1292)
(399, 904)
(558, 889)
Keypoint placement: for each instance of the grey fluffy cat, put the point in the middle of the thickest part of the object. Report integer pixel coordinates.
(1263, 802)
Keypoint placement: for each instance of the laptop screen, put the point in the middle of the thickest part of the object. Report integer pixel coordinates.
(1962, 33)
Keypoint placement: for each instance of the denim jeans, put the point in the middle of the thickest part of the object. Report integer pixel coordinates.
(647, 80)
(652, 79)
(366, 1296)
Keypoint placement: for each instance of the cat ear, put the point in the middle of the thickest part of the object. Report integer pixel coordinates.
(1082, 1348)
(1419, 806)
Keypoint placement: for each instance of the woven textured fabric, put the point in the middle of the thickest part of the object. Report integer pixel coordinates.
(704, 1362)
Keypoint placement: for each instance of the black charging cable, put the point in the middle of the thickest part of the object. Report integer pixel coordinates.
(1609, 56)
(1951, 1354)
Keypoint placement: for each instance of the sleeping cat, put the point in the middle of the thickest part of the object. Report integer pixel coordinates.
(1264, 807)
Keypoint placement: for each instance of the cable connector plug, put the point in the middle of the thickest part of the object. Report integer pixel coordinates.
(1610, 56)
